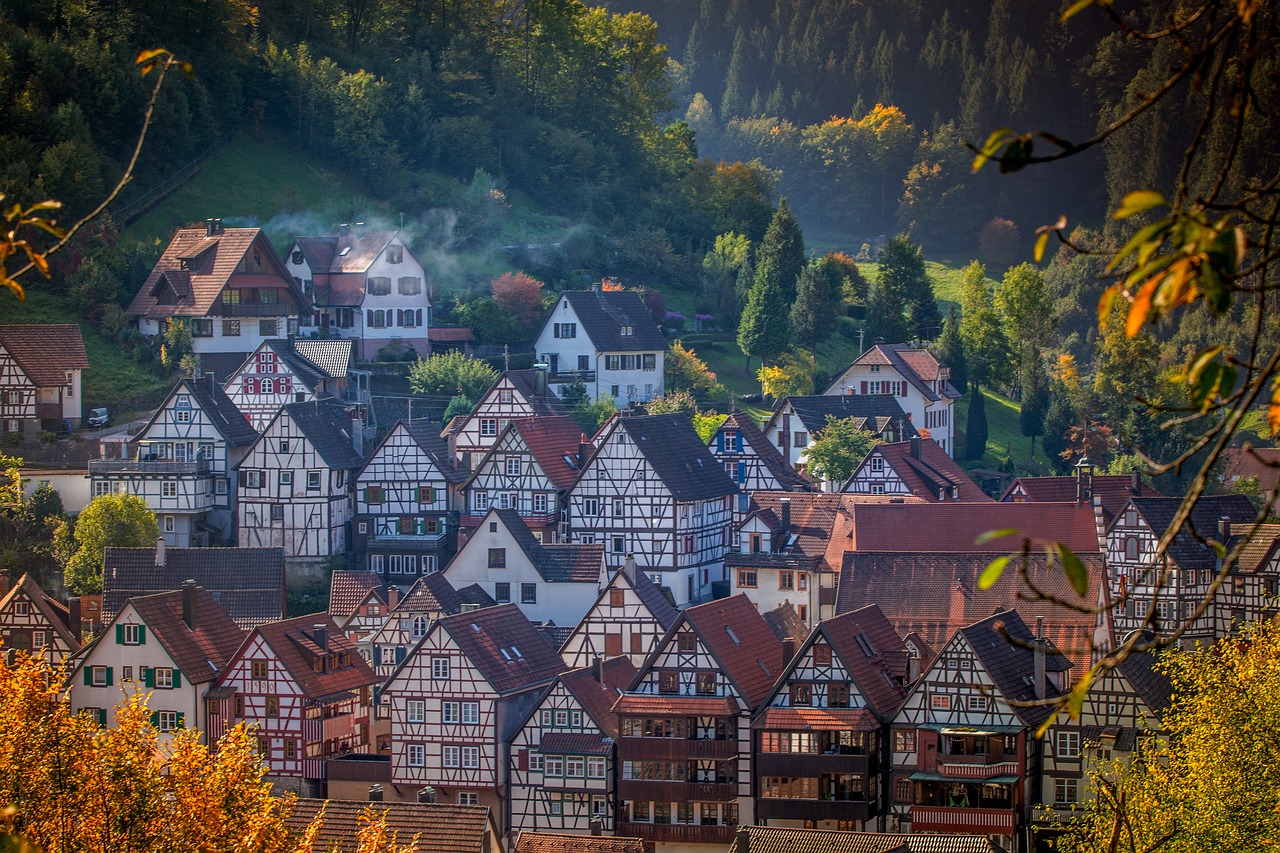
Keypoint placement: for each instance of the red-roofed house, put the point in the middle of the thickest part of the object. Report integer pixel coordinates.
(917, 467)
(684, 750)
(367, 286)
(457, 699)
(1113, 491)
(913, 375)
(33, 621)
(40, 370)
(514, 394)
(562, 762)
(302, 683)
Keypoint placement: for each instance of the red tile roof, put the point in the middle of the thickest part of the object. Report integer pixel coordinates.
(551, 439)
(504, 646)
(54, 613)
(1114, 490)
(200, 654)
(956, 526)
(635, 705)
(925, 468)
(880, 675)
(597, 698)
(819, 522)
(817, 719)
(547, 842)
(348, 590)
(296, 643)
(737, 635)
(451, 334)
(438, 827)
(46, 352)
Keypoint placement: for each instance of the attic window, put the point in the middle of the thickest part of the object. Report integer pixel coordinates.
(764, 668)
(297, 256)
(516, 652)
(570, 461)
(628, 330)
(346, 250)
(861, 640)
(475, 627)
(505, 655)
(732, 636)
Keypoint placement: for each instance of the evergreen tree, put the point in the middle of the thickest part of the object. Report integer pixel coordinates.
(813, 316)
(1035, 399)
(763, 329)
(742, 286)
(781, 254)
(735, 80)
(1060, 418)
(885, 318)
(976, 426)
(902, 271)
(951, 352)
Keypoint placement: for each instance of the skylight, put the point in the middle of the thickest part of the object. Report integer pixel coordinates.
(732, 636)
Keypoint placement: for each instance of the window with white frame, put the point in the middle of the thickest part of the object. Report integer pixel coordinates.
(575, 766)
(416, 755)
(513, 466)
(164, 677)
(417, 711)
(470, 713)
(450, 712)
(553, 765)
(1066, 791)
(440, 669)
(169, 489)
(468, 798)
(471, 757)
(167, 720)
(595, 767)
(451, 756)
(1068, 744)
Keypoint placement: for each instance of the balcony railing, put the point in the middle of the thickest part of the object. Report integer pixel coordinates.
(963, 821)
(148, 466)
(965, 767)
(677, 792)
(572, 376)
(790, 809)
(808, 764)
(537, 519)
(49, 411)
(656, 748)
(254, 309)
(682, 833)
(354, 396)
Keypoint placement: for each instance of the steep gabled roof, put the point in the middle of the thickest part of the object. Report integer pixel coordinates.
(422, 827)
(559, 563)
(871, 412)
(598, 695)
(424, 434)
(51, 610)
(223, 414)
(1114, 490)
(1004, 646)
(429, 593)
(504, 647)
(200, 654)
(603, 313)
(46, 352)
(925, 469)
(525, 383)
(821, 523)
(297, 643)
(1150, 682)
(739, 638)
(1187, 551)
(678, 456)
(1257, 552)
(874, 654)
(248, 583)
(353, 252)
(554, 441)
(328, 427)
(348, 589)
(649, 593)
(785, 622)
(769, 455)
(917, 366)
(955, 526)
(333, 357)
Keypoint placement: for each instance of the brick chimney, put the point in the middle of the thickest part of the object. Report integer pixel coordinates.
(1038, 663)
(160, 557)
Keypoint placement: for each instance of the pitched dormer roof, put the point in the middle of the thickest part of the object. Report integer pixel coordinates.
(297, 643)
(749, 434)
(46, 352)
(677, 455)
(202, 653)
(739, 638)
(603, 314)
(504, 646)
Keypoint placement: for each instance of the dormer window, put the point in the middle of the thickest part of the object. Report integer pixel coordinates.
(395, 254)
(627, 331)
(296, 257)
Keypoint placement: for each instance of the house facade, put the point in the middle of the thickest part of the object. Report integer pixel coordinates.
(367, 287)
(913, 375)
(280, 372)
(630, 616)
(294, 484)
(797, 421)
(40, 368)
(183, 464)
(406, 497)
(33, 621)
(918, 467)
(515, 394)
(654, 491)
(607, 340)
(752, 461)
(306, 690)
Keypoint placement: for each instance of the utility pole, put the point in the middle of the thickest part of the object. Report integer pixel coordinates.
(506, 357)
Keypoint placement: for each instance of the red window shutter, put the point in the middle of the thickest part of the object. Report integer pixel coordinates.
(284, 385)
(864, 386)
(524, 759)
(903, 391)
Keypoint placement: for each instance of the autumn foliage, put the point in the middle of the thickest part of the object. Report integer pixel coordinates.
(521, 295)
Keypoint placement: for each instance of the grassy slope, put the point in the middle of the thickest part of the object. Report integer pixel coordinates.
(1004, 434)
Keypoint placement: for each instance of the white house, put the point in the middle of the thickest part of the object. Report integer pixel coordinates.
(367, 286)
(915, 376)
(294, 484)
(183, 464)
(797, 421)
(172, 645)
(653, 490)
(40, 368)
(289, 371)
(228, 285)
(628, 618)
(606, 339)
(557, 582)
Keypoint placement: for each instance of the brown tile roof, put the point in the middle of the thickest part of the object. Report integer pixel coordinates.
(739, 638)
(636, 704)
(429, 593)
(212, 262)
(785, 622)
(1003, 644)
(925, 468)
(596, 698)
(296, 643)
(776, 839)
(818, 719)
(750, 434)
(353, 252)
(46, 352)
(54, 613)
(956, 526)
(1114, 490)
(917, 366)
(873, 652)
(439, 827)
(549, 842)
(1255, 553)
(504, 646)
(934, 595)
(450, 334)
(551, 439)
(575, 743)
(200, 654)
(818, 522)
(1261, 462)
(348, 589)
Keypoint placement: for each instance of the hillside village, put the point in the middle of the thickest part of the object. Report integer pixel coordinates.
(638, 639)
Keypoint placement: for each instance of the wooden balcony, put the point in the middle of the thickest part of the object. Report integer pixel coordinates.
(255, 309)
(678, 833)
(789, 809)
(963, 821)
(674, 749)
(139, 466)
(677, 792)
(565, 376)
(964, 767)
(808, 764)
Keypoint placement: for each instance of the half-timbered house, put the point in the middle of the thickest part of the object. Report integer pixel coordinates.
(556, 582)
(247, 583)
(40, 367)
(562, 762)
(529, 469)
(819, 748)
(514, 394)
(653, 490)
(918, 467)
(183, 464)
(296, 370)
(915, 376)
(430, 598)
(684, 750)
(360, 603)
(629, 617)
(33, 621)
(228, 285)
(307, 691)
(173, 645)
(1250, 589)
(965, 757)
(294, 484)
(1160, 596)
(457, 700)
(752, 461)
(367, 286)
(796, 421)
(406, 498)
(607, 340)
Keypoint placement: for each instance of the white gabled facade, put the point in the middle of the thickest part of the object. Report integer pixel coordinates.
(621, 622)
(31, 622)
(265, 383)
(515, 394)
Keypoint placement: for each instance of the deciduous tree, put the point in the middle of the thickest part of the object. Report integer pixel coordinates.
(521, 295)
(451, 373)
(836, 452)
(109, 521)
(792, 376)
(686, 372)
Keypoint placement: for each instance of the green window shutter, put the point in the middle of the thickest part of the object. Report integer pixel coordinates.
(149, 676)
(110, 676)
(177, 678)
(119, 635)
(182, 720)
(142, 635)
(101, 714)
(88, 676)
(155, 719)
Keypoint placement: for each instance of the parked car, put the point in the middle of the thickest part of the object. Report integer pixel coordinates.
(100, 417)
